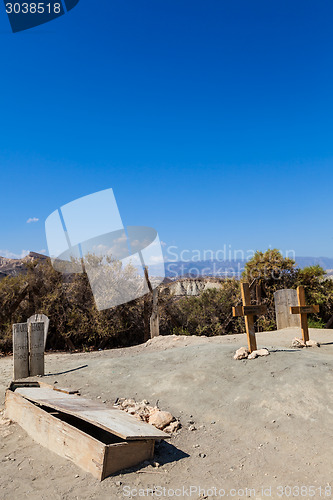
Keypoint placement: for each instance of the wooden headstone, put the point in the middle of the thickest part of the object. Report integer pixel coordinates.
(36, 348)
(41, 318)
(284, 300)
(20, 350)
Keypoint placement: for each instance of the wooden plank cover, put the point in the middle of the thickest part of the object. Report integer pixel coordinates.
(111, 419)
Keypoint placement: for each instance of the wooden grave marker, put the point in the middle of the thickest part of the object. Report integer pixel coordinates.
(41, 318)
(20, 351)
(249, 311)
(303, 310)
(285, 299)
(36, 348)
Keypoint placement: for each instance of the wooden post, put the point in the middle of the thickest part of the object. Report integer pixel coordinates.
(154, 320)
(249, 312)
(36, 348)
(249, 320)
(304, 316)
(146, 329)
(20, 350)
(303, 310)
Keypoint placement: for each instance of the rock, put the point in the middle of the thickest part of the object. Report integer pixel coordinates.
(253, 355)
(202, 455)
(312, 343)
(242, 353)
(297, 343)
(192, 428)
(160, 419)
(118, 483)
(262, 352)
(173, 427)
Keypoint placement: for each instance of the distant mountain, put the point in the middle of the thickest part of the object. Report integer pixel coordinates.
(14, 267)
(216, 268)
(232, 267)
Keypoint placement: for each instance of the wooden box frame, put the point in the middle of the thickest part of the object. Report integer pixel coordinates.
(86, 445)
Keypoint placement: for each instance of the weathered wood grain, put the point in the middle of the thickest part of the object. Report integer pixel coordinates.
(20, 351)
(284, 299)
(111, 419)
(36, 348)
(59, 437)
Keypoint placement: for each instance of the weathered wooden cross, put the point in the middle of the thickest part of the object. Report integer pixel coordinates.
(303, 310)
(249, 311)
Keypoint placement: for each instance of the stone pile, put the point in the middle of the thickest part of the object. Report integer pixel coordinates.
(244, 353)
(143, 411)
(300, 343)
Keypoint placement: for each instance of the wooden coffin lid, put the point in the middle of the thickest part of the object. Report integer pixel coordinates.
(111, 419)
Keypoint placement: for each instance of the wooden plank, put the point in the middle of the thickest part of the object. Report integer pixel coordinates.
(255, 310)
(111, 419)
(124, 455)
(246, 310)
(237, 311)
(304, 309)
(59, 437)
(65, 391)
(20, 351)
(249, 320)
(36, 348)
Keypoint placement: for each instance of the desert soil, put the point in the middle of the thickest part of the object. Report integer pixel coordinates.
(262, 423)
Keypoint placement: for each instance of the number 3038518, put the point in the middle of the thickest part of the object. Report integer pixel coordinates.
(33, 8)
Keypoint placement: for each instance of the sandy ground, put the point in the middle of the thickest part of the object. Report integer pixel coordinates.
(263, 423)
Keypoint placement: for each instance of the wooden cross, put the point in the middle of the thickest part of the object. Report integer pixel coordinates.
(303, 310)
(249, 312)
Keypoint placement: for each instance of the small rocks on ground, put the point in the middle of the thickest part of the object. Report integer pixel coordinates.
(160, 419)
(242, 353)
(312, 343)
(298, 343)
(163, 420)
(258, 352)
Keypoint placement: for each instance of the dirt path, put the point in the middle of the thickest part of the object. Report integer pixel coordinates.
(260, 423)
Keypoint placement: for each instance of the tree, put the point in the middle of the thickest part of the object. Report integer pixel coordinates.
(271, 268)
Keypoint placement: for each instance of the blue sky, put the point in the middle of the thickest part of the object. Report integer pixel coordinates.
(211, 120)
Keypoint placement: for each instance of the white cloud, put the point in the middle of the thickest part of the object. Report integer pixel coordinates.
(32, 219)
(11, 255)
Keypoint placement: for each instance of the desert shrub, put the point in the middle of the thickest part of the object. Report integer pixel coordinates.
(210, 313)
(69, 303)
